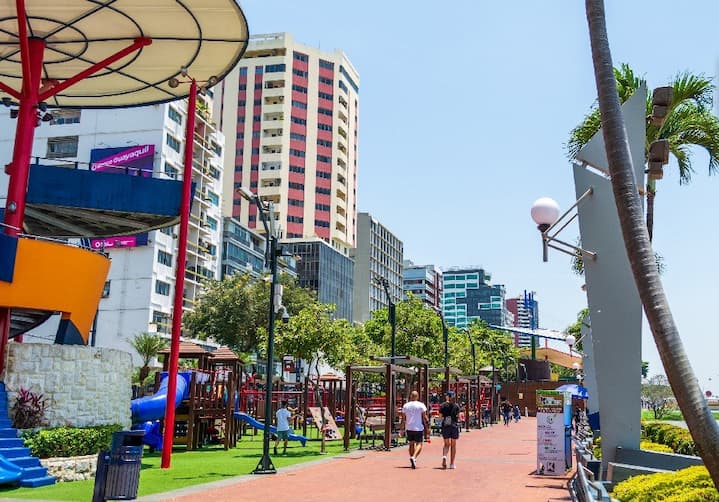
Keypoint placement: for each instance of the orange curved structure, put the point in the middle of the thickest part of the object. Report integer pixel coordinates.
(56, 277)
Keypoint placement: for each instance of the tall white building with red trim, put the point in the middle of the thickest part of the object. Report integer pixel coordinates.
(293, 111)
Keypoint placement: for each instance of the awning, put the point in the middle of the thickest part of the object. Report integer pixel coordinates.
(578, 392)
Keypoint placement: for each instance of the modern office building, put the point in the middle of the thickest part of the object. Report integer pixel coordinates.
(292, 112)
(378, 255)
(525, 310)
(424, 282)
(145, 141)
(324, 270)
(468, 295)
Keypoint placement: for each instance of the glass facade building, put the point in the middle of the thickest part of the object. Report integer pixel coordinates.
(468, 295)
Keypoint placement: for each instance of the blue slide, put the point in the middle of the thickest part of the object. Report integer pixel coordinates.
(259, 425)
(9, 472)
(153, 407)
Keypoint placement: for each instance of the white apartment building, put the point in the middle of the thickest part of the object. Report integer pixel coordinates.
(139, 291)
(292, 112)
(378, 255)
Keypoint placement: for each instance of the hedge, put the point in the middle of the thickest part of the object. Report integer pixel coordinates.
(650, 446)
(677, 438)
(70, 441)
(687, 485)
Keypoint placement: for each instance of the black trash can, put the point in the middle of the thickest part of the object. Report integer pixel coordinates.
(118, 469)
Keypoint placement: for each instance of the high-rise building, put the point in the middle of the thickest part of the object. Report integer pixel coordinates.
(324, 270)
(144, 141)
(525, 310)
(378, 255)
(424, 282)
(292, 112)
(468, 295)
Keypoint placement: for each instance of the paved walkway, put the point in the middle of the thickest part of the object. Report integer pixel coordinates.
(493, 464)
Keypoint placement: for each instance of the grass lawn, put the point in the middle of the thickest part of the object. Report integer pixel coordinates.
(670, 415)
(188, 468)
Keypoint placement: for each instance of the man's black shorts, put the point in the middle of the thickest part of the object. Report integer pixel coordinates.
(450, 431)
(415, 436)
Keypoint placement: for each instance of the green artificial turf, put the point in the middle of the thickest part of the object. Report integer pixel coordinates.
(189, 468)
(670, 415)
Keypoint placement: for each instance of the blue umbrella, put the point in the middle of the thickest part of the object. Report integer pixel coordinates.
(578, 392)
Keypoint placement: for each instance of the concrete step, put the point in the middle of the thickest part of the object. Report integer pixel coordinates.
(11, 453)
(26, 461)
(8, 432)
(15, 442)
(35, 482)
(33, 472)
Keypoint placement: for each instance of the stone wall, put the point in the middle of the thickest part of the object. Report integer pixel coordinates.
(83, 385)
(71, 468)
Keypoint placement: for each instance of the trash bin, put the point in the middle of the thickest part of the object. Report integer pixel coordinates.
(118, 469)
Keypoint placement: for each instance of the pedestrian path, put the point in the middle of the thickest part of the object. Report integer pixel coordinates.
(495, 463)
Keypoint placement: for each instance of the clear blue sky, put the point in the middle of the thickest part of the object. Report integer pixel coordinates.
(464, 111)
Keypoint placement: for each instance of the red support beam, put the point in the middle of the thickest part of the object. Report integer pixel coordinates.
(169, 431)
(12, 92)
(138, 44)
(23, 41)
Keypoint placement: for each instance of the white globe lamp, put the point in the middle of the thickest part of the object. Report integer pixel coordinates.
(545, 211)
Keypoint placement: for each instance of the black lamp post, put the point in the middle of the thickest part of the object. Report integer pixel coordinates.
(382, 281)
(445, 339)
(265, 465)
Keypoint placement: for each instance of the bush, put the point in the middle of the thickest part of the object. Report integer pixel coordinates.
(28, 411)
(687, 485)
(677, 438)
(70, 441)
(650, 446)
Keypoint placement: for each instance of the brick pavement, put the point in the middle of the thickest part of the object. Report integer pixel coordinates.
(495, 463)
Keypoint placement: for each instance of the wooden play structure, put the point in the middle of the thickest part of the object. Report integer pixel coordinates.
(206, 415)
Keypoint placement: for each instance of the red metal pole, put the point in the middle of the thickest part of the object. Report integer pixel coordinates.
(169, 432)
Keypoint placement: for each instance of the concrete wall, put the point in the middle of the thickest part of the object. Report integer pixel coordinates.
(83, 385)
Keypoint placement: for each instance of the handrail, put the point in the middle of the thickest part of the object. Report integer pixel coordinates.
(582, 485)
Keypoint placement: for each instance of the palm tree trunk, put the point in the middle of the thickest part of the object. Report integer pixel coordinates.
(702, 425)
(651, 194)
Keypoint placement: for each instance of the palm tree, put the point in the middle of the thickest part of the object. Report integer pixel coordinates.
(147, 345)
(689, 122)
(701, 423)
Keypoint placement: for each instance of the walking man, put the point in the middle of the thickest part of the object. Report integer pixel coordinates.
(283, 426)
(450, 429)
(414, 421)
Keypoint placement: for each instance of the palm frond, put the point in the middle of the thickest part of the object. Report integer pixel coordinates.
(691, 87)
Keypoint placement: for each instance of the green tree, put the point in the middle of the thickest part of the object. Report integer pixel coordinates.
(418, 331)
(689, 123)
(658, 395)
(234, 311)
(147, 345)
(684, 383)
(575, 329)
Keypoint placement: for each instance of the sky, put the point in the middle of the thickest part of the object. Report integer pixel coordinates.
(465, 108)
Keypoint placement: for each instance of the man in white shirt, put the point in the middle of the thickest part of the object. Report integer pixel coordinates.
(414, 421)
(283, 426)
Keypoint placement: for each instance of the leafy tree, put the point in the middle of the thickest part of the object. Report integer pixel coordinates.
(575, 329)
(493, 347)
(689, 122)
(418, 331)
(701, 423)
(234, 311)
(658, 395)
(147, 345)
(645, 369)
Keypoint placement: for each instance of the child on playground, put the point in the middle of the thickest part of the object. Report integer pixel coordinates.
(283, 425)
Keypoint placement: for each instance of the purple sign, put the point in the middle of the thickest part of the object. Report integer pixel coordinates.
(135, 160)
(125, 241)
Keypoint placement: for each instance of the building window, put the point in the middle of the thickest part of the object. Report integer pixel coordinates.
(300, 57)
(324, 127)
(167, 230)
(164, 258)
(324, 158)
(171, 171)
(299, 73)
(297, 153)
(174, 115)
(299, 104)
(243, 87)
(162, 288)
(349, 79)
(299, 88)
(325, 80)
(322, 223)
(321, 174)
(296, 186)
(324, 111)
(62, 117)
(323, 191)
(173, 142)
(295, 202)
(213, 198)
(322, 207)
(297, 136)
(324, 95)
(323, 142)
(297, 169)
(211, 223)
(297, 120)
(243, 71)
(295, 219)
(327, 64)
(344, 87)
(61, 147)
(258, 70)
(106, 289)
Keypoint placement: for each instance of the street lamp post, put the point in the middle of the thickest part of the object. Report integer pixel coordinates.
(445, 339)
(474, 368)
(265, 465)
(392, 312)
